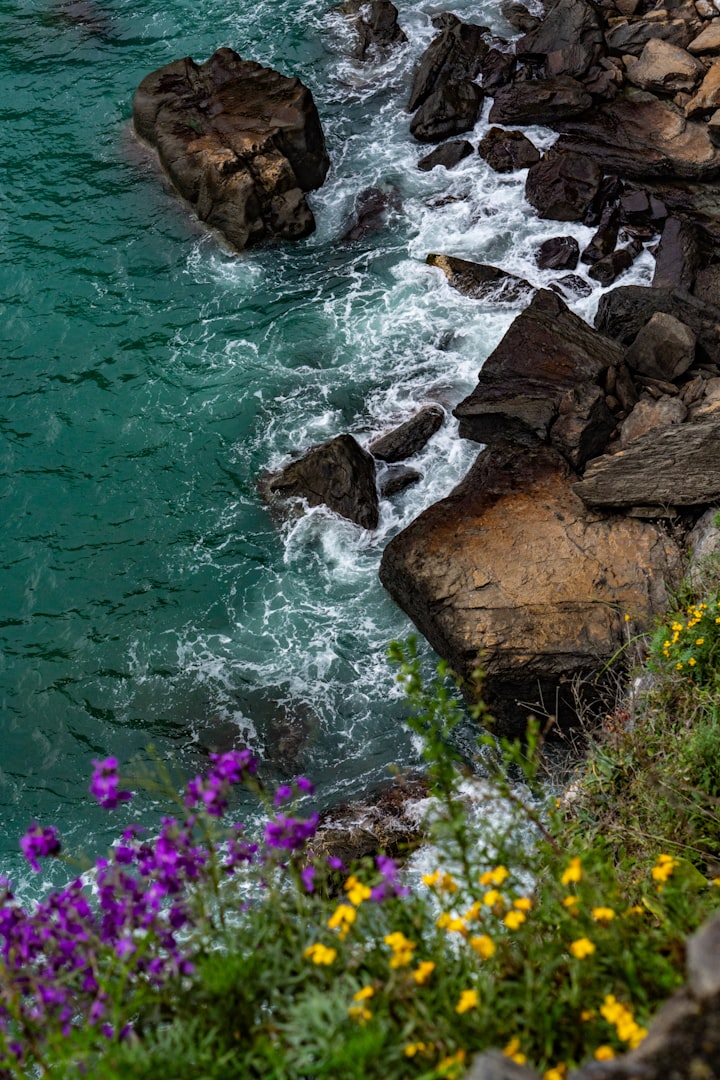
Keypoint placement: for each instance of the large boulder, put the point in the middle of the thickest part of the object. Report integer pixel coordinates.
(448, 155)
(376, 26)
(678, 255)
(539, 101)
(664, 348)
(623, 311)
(510, 572)
(450, 110)
(664, 68)
(569, 39)
(241, 142)
(481, 281)
(677, 466)
(338, 474)
(563, 186)
(455, 54)
(506, 151)
(410, 437)
(547, 355)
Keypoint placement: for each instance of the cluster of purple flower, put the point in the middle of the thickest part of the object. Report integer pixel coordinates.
(59, 956)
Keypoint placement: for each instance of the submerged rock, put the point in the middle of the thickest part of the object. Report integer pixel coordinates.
(338, 474)
(376, 25)
(241, 142)
(478, 280)
(410, 437)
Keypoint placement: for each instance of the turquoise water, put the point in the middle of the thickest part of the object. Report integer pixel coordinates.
(147, 594)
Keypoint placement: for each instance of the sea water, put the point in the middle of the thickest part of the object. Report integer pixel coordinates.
(148, 595)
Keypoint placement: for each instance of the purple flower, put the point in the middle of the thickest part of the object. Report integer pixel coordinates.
(390, 885)
(305, 785)
(283, 793)
(105, 784)
(38, 842)
(290, 833)
(212, 790)
(336, 864)
(307, 876)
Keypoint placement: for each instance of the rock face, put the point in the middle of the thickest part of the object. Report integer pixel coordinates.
(376, 25)
(541, 101)
(408, 438)
(569, 39)
(479, 280)
(510, 571)
(338, 474)
(563, 186)
(454, 55)
(242, 143)
(506, 151)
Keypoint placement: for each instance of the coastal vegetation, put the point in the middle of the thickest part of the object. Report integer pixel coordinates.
(548, 922)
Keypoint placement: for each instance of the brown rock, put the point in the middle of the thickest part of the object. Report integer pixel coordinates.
(569, 39)
(376, 25)
(455, 54)
(395, 478)
(708, 41)
(511, 572)
(410, 437)
(648, 415)
(707, 285)
(611, 266)
(563, 185)
(623, 311)
(448, 155)
(506, 151)
(631, 36)
(708, 94)
(604, 241)
(497, 70)
(539, 101)
(479, 281)
(677, 256)
(239, 141)
(677, 466)
(338, 474)
(665, 68)
(558, 253)
(450, 110)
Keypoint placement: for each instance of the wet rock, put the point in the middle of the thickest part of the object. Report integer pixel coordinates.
(454, 55)
(511, 569)
(450, 110)
(546, 355)
(497, 69)
(396, 478)
(239, 141)
(448, 155)
(623, 311)
(664, 348)
(569, 39)
(631, 37)
(376, 24)
(604, 241)
(678, 255)
(563, 185)
(372, 207)
(650, 414)
(699, 202)
(571, 286)
(507, 151)
(639, 207)
(410, 437)
(480, 281)
(558, 253)
(338, 474)
(665, 68)
(386, 821)
(641, 136)
(539, 101)
(675, 467)
(610, 267)
(519, 17)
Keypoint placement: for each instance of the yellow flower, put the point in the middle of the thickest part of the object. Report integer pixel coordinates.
(700, 641)
(359, 1013)
(473, 912)
(416, 1048)
(402, 949)
(573, 873)
(523, 903)
(431, 879)
(451, 1067)
(514, 919)
(602, 914)
(423, 971)
(493, 897)
(557, 1073)
(692, 661)
(572, 902)
(636, 909)
(587, 1014)
(320, 954)
(581, 948)
(626, 617)
(447, 884)
(484, 946)
(664, 867)
(604, 1053)
(454, 925)
(342, 919)
(364, 994)
(512, 1050)
(468, 1000)
(357, 892)
(716, 881)
(494, 877)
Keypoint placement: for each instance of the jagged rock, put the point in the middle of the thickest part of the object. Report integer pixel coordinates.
(546, 354)
(558, 253)
(569, 39)
(664, 348)
(707, 285)
(641, 136)
(239, 141)
(395, 478)
(699, 202)
(376, 24)
(455, 54)
(571, 286)
(479, 280)
(648, 415)
(604, 241)
(539, 101)
(506, 151)
(410, 437)
(707, 41)
(448, 155)
(450, 110)
(338, 474)
(677, 466)
(605, 79)
(584, 424)
(518, 16)
(708, 93)
(678, 256)
(510, 571)
(623, 311)
(372, 207)
(665, 68)
(563, 185)
(639, 207)
(714, 128)
(631, 37)
(497, 69)
(611, 266)
(382, 822)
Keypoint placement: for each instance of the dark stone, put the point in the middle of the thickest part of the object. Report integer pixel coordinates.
(608, 194)
(640, 207)
(479, 281)
(506, 151)
(664, 348)
(338, 474)
(707, 284)
(623, 311)
(584, 424)
(371, 211)
(604, 241)
(558, 253)
(571, 286)
(239, 141)
(497, 70)
(547, 354)
(454, 55)
(610, 267)
(539, 101)
(396, 478)
(410, 437)
(569, 39)
(376, 25)
(678, 255)
(518, 16)
(630, 38)
(382, 822)
(563, 185)
(448, 155)
(449, 110)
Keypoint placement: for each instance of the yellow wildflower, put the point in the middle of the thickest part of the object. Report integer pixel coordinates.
(423, 971)
(483, 945)
(431, 879)
(364, 994)
(494, 877)
(493, 897)
(522, 903)
(473, 912)
(359, 1013)
(558, 1072)
(357, 892)
(320, 954)
(416, 1048)
(512, 1050)
(664, 867)
(573, 873)
(402, 949)
(447, 884)
(581, 948)
(692, 661)
(342, 919)
(514, 919)
(604, 1053)
(468, 1000)
(700, 641)
(572, 902)
(587, 1014)
(602, 914)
